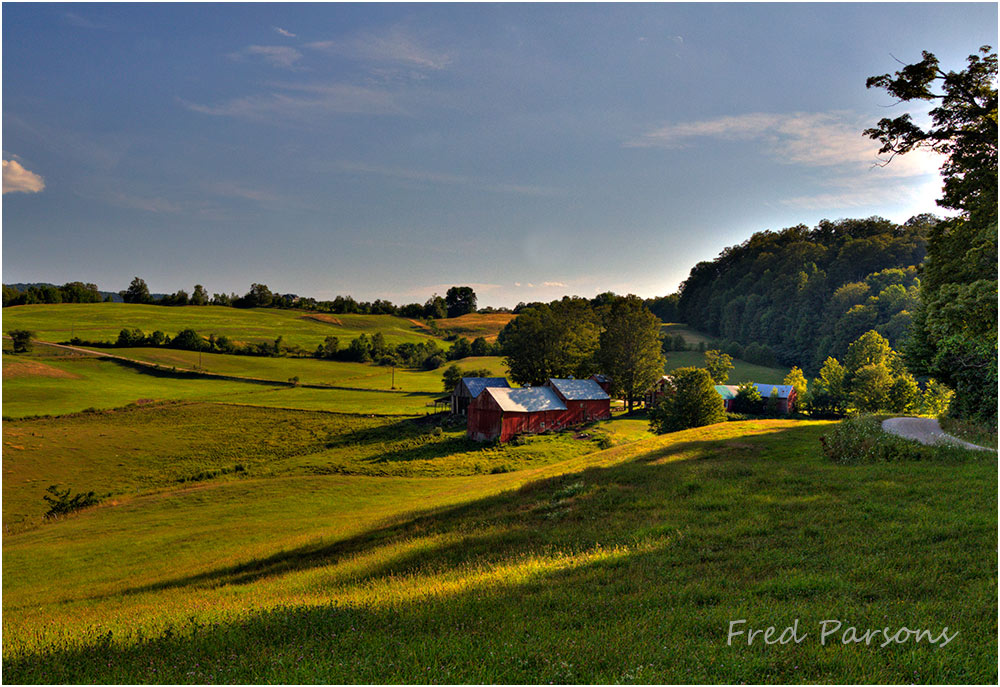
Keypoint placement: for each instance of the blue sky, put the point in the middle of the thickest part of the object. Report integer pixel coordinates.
(390, 151)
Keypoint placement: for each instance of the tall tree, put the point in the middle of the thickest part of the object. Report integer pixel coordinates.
(551, 340)
(460, 300)
(199, 296)
(954, 332)
(718, 365)
(690, 401)
(137, 292)
(629, 350)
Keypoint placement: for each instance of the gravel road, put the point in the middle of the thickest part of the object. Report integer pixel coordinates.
(926, 430)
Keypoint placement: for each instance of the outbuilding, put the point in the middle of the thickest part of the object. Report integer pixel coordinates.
(585, 400)
(503, 413)
(469, 388)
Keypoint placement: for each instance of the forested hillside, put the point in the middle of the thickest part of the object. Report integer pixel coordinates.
(808, 293)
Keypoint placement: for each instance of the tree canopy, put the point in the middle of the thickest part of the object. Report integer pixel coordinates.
(953, 336)
(630, 350)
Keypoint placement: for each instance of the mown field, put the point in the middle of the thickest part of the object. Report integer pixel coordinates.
(742, 371)
(103, 321)
(262, 532)
(622, 565)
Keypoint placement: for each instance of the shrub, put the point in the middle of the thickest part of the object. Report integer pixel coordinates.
(22, 339)
(690, 401)
(861, 439)
(62, 503)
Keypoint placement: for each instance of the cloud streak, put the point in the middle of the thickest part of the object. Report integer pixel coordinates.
(811, 139)
(445, 178)
(285, 33)
(304, 102)
(276, 55)
(395, 46)
(17, 179)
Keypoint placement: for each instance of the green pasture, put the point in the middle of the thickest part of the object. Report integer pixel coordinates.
(139, 448)
(692, 336)
(103, 321)
(309, 370)
(742, 371)
(623, 565)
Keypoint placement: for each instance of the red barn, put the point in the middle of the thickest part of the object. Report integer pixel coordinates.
(603, 381)
(505, 413)
(584, 398)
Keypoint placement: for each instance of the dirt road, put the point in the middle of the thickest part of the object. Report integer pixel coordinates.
(926, 430)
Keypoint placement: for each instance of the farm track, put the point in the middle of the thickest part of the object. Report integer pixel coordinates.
(927, 431)
(203, 373)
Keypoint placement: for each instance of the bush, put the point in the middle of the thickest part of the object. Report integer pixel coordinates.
(22, 339)
(860, 439)
(690, 401)
(61, 503)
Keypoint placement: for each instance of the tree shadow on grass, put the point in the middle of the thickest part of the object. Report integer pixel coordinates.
(553, 511)
(609, 574)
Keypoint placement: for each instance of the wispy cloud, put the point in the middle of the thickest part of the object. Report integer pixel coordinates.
(17, 179)
(396, 46)
(812, 139)
(233, 190)
(445, 178)
(277, 55)
(304, 102)
(79, 21)
(146, 203)
(283, 32)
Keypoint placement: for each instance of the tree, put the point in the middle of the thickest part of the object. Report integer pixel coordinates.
(797, 380)
(22, 339)
(199, 296)
(829, 393)
(748, 399)
(460, 300)
(718, 365)
(480, 347)
(629, 348)
(328, 349)
(936, 398)
(953, 337)
(453, 374)
(130, 337)
(435, 307)
(188, 340)
(259, 296)
(551, 340)
(690, 401)
(137, 292)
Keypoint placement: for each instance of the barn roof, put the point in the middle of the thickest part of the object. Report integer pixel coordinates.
(475, 385)
(726, 391)
(531, 399)
(784, 390)
(600, 378)
(579, 389)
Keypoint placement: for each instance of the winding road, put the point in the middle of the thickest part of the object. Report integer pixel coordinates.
(926, 430)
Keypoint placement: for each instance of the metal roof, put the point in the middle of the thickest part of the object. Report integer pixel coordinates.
(726, 391)
(529, 399)
(600, 378)
(784, 390)
(579, 389)
(475, 385)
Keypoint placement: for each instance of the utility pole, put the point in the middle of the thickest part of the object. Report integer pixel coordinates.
(393, 386)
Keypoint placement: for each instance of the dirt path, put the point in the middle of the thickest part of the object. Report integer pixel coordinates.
(926, 430)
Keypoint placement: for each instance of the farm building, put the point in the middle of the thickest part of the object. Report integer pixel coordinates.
(655, 392)
(785, 392)
(504, 413)
(603, 381)
(728, 393)
(469, 388)
(584, 398)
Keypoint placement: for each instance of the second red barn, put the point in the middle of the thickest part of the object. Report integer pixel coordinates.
(585, 400)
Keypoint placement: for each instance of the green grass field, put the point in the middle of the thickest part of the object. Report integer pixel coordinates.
(103, 321)
(692, 336)
(742, 371)
(624, 565)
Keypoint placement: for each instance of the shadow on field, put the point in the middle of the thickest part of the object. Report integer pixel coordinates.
(628, 573)
(554, 511)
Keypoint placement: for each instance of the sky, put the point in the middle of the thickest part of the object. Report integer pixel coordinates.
(394, 150)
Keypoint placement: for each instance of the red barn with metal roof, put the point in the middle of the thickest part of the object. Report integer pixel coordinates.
(585, 400)
(505, 413)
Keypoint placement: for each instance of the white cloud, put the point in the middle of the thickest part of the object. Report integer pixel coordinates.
(812, 139)
(317, 100)
(17, 179)
(553, 284)
(283, 32)
(277, 55)
(395, 46)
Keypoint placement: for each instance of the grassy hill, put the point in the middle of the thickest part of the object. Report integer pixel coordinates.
(742, 370)
(103, 321)
(623, 565)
